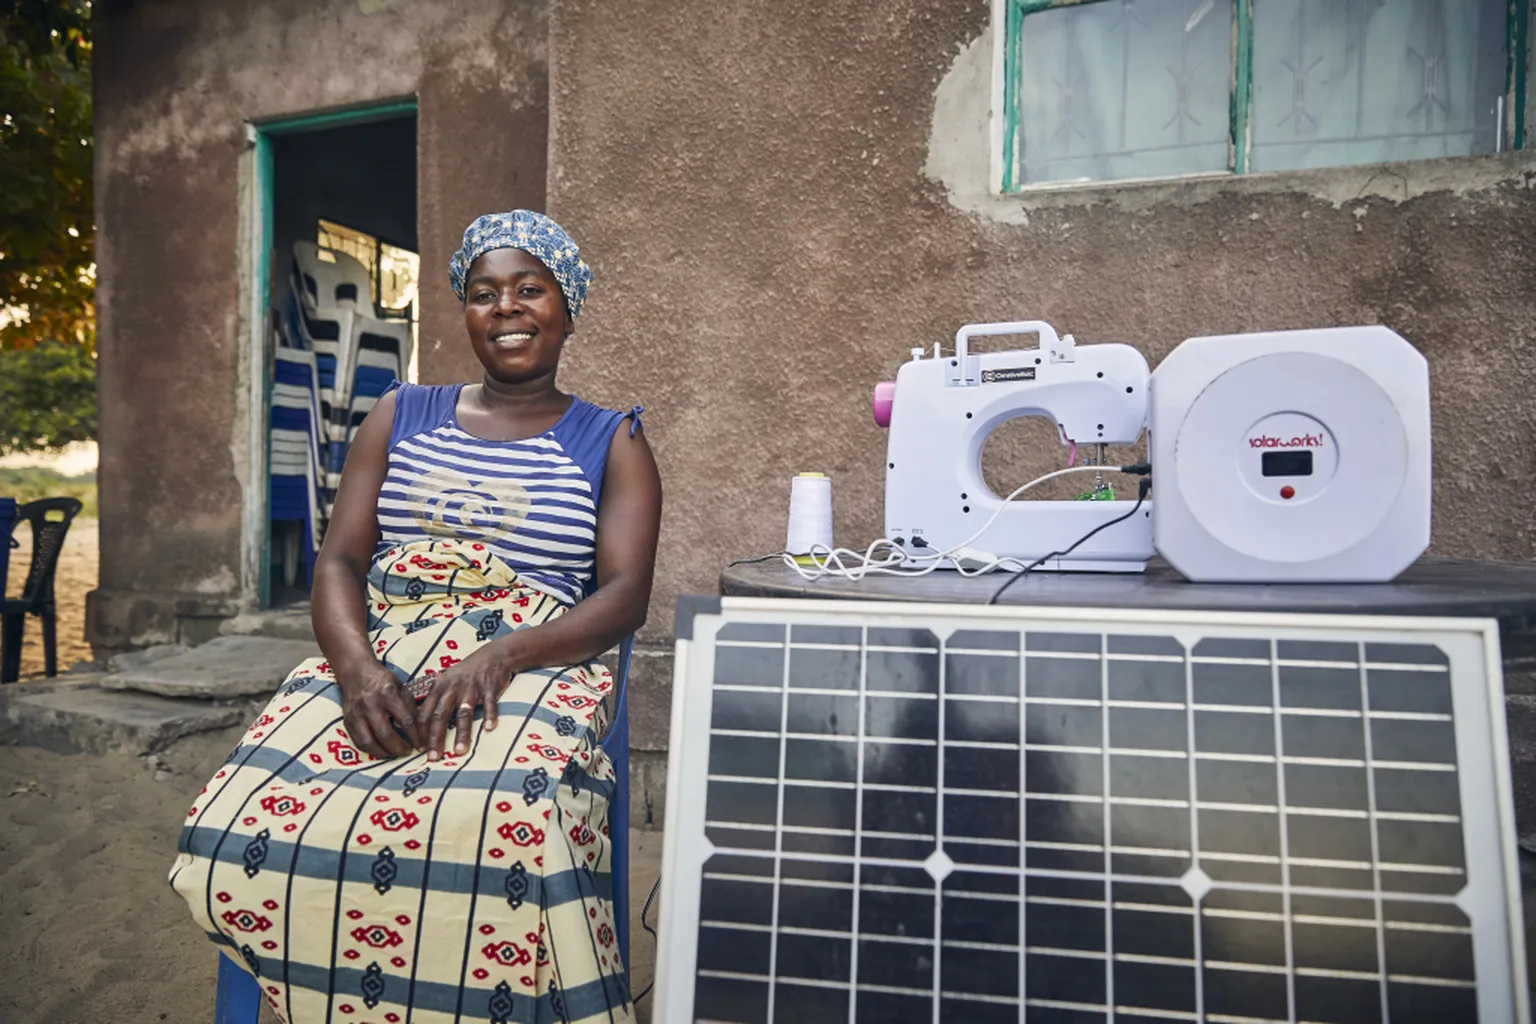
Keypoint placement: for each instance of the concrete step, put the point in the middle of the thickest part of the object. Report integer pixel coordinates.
(130, 660)
(291, 622)
(225, 668)
(80, 717)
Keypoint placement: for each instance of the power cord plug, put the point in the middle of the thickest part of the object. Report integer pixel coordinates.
(1143, 487)
(973, 560)
(655, 939)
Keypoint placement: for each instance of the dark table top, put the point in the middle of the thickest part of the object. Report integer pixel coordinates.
(1505, 591)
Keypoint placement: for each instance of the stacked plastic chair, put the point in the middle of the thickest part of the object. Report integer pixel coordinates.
(294, 460)
(325, 301)
(336, 345)
(382, 353)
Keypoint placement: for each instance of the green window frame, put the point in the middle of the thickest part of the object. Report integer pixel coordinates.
(1239, 139)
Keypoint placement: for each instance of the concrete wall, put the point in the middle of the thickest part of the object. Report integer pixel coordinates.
(175, 84)
(779, 199)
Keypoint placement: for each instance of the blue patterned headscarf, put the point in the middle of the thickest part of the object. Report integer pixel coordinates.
(536, 235)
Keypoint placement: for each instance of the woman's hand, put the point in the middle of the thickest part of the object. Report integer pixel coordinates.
(477, 681)
(372, 702)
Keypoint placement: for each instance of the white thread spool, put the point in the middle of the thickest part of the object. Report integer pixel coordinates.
(810, 513)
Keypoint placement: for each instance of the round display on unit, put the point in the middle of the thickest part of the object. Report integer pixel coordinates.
(1291, 457)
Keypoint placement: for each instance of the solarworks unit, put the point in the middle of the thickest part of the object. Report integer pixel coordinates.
(1291, 456)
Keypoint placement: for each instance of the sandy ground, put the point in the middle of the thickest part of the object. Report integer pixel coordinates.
(89, 929)
(76, 575)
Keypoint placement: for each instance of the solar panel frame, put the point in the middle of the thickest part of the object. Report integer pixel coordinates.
(816, 672)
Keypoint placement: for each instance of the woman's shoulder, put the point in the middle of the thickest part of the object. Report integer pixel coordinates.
(588, 419)
(582, 405)
(421, 407)
(422, 392)
(586, 432)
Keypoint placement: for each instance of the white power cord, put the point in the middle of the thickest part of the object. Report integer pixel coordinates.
(968, 561)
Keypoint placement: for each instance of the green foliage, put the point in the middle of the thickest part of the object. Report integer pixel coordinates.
(47, 232)
(45, 159)
(35, 482)
(47, 396)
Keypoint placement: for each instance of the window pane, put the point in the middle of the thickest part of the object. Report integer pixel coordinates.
(399, 281)
(1124, 89)
(399, 271)
(1360, 81)
(354, 243)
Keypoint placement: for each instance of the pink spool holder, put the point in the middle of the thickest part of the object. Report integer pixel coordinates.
(883, 401)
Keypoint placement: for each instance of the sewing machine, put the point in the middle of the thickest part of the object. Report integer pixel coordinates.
(940, 410)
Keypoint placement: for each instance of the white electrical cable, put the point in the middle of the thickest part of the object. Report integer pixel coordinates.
(829, 561)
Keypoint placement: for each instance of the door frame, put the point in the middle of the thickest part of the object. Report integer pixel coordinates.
(255, 388)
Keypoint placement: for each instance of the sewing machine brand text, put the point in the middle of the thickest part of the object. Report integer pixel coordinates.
(1301, 441)
(1009, 374)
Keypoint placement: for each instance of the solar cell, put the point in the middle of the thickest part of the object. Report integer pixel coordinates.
(901, 812)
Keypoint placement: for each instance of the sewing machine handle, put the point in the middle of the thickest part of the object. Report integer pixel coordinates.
(1048, 336)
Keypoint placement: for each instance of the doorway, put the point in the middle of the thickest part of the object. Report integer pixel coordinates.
(336, 278)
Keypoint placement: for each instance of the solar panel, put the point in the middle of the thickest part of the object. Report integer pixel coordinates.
(905, 812)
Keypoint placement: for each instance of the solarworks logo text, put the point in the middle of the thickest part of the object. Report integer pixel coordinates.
(1300, 441)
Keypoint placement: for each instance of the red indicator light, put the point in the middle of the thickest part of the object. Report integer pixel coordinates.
(1287, 491)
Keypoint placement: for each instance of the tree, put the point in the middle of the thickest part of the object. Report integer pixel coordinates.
(47, 232)
(47, 396)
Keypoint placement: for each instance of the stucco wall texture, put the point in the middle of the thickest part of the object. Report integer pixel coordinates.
(778, 205)
(175, 84)
(749, 186)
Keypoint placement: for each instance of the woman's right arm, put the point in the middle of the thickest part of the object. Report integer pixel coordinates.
(371, 696)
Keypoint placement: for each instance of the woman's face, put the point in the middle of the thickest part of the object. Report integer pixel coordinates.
(515, 313)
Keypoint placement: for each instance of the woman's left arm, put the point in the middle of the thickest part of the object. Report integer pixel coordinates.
(628, 522)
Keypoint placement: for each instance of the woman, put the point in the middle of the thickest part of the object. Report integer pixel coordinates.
(487, 543)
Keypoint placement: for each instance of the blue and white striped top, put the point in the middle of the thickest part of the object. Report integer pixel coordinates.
(533, 502)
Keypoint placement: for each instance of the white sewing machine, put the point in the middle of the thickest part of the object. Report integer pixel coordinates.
(940, 410)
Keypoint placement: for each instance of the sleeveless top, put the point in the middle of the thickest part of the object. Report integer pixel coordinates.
(533, 502)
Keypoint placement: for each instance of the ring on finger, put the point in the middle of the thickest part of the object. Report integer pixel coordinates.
(467, 707)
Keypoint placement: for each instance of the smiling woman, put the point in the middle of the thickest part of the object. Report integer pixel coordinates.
(517, 319)
(489, 541)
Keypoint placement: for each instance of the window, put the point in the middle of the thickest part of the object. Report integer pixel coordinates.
(360, 246)
(399, 270)
(392, 271)
(1109, 90)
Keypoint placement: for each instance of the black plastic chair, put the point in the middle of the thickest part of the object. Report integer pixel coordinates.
(50, 519)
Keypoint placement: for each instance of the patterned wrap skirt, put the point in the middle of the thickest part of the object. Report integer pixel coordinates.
(475, 888)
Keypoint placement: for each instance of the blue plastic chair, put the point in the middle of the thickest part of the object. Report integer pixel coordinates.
(294, 451)
(381, 355)
(7, 524)
(616, 745)
(239, 995)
